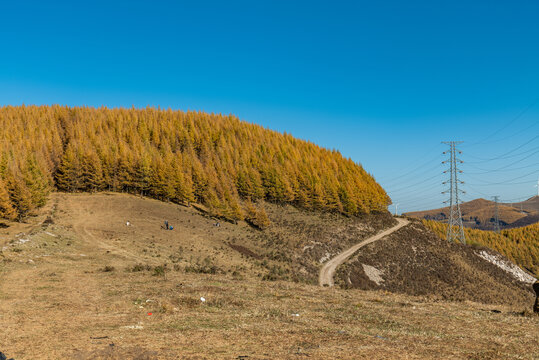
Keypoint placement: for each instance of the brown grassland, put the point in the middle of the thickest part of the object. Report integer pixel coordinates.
(76, 282)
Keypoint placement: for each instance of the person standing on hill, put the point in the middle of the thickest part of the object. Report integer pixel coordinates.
(166, 224)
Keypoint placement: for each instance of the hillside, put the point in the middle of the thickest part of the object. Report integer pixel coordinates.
(185, 157)
(520, 245)
(480, 214)
(415, 261)
(77, 282)
(531, 205)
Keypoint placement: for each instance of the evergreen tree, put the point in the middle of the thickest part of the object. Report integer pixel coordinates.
(6, 208)
(20, 195)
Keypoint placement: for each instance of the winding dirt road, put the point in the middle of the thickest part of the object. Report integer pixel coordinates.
(328, 270)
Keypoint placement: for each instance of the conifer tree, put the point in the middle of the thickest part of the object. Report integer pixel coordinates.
(92, 178)
(6, 208)
(20, 195)
(68, 173)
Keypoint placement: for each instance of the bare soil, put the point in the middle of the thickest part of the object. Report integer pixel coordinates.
(328, 270)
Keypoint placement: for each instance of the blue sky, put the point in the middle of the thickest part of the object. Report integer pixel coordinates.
(382, 81)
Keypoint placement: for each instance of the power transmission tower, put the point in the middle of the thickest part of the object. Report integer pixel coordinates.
(496, 215)
(455, 229)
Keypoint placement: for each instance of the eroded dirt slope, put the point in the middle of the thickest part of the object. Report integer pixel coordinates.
(413, 260)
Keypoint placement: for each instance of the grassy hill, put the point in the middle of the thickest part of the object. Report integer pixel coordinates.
(521, 245)
(219, 161)
(480, 214)
(77, 282)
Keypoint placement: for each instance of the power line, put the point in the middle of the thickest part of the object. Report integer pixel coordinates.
(506, 157)
(399, 179)
(513, 135)
(503, 169)
(476, 191)
(516, 199)
(519, 115)
(431, 206)
(415, 200)
(506, 182)
(413, 170)
(422, 205)
(418, 183)
(507, 153)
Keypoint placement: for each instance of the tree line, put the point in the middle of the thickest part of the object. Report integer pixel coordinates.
(216, 160)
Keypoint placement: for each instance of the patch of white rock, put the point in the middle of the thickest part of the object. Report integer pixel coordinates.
(373, 274)
(508, 266)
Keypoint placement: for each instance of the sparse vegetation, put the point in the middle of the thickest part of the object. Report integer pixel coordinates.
(139, 267)
(276, 273)
(108, 268)
(159, 270)
(204, 267)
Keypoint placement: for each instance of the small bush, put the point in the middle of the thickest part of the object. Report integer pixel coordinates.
(139, 267)
(159, 270)
(275, 273)
(202, 269)
(207, 267)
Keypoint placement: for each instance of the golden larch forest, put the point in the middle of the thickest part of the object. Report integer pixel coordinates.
(215, 160)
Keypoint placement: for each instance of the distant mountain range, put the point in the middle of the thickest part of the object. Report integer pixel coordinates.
(480, 214)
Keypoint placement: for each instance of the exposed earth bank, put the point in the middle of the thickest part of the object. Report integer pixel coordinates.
(414, 261)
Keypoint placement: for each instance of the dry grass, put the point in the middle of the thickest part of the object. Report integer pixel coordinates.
(57, 302)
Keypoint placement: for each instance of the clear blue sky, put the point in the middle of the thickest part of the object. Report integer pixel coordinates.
(382, 81)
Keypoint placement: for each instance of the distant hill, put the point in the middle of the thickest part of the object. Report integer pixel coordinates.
(480, 214)
(532, 204)
(184, 157)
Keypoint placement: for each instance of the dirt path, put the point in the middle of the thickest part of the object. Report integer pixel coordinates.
(328, 270)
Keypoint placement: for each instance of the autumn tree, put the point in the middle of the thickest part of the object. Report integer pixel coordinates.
(6, 208)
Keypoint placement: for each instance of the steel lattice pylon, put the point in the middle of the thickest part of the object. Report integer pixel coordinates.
(455, 229)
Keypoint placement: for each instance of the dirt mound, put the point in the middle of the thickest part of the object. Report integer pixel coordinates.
(415, 261)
